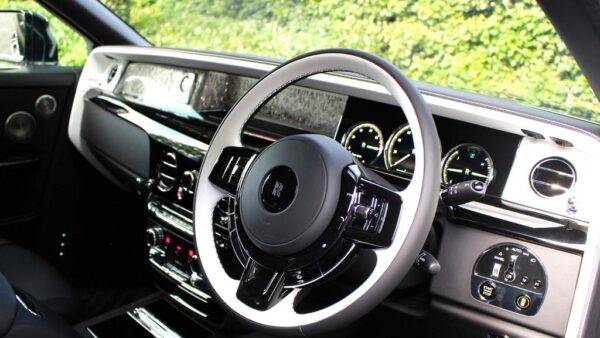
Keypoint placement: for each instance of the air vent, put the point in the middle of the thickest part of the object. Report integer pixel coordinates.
(167, 172)
(552, 177)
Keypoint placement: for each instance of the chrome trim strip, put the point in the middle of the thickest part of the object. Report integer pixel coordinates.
(203, 296)
(185, 218)
(152, 324)
(89, 330)
(510, 216)
(26, 307)
(168, 272)
(183, 226)
(527, 221)
(260, 136)
(185, 304)
(182, 282)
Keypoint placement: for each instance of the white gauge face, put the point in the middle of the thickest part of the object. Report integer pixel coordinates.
(400, 151)
(467, 162)
(364, 141)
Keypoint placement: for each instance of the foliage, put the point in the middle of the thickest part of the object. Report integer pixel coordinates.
(505, 48)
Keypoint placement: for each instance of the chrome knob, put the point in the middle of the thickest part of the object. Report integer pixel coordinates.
(154, 236)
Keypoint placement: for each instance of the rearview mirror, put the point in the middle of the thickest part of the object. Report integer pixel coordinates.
(25, 38)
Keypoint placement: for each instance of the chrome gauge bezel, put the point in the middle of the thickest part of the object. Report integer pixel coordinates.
(490, 177)
(387, 148)
(355, 128)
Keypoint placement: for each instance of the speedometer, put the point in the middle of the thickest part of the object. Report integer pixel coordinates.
(364, 141)
(400, 151)
(467, 162)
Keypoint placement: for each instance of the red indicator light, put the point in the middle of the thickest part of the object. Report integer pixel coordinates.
(191, 253)
(178, 248)
(168, 240)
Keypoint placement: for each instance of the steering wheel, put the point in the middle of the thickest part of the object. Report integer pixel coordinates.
(303, 206)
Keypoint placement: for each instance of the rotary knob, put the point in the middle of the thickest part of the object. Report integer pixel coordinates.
(154, 236)
(188, 181)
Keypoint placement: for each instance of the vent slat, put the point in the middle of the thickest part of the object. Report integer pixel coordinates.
(552, 177)
(167, 172)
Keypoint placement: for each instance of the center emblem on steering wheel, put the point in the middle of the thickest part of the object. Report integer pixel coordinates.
(279, 189)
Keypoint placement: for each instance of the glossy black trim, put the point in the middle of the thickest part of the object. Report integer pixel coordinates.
(567, 238)
(260, 287)
(228, 170)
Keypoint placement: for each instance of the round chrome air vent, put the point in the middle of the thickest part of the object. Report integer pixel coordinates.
(552, 177)
(167, 172)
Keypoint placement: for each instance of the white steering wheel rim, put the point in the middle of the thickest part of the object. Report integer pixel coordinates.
(282, 317)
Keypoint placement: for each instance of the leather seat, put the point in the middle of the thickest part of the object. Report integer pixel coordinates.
(32, 275)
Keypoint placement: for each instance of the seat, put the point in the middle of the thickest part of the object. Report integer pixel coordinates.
(32, 275)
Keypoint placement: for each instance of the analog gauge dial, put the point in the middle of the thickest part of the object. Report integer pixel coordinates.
(467, 162)
(400, 151)
(364, 141)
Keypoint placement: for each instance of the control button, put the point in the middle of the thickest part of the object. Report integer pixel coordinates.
(478, 186)
(509, 276)
(496, 270)
(487, 290)
(538, 284)
(361, 211)
(524, 280)
(523, 302)
(154, 236)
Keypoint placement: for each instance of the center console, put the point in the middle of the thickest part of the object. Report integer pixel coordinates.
(170, 232)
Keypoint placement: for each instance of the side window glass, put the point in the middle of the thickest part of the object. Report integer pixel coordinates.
(30, 34)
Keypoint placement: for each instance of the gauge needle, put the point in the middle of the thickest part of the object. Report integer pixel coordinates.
(454, 170)
(401, 160)
(357, 155)
(372, 147)
(478, 175)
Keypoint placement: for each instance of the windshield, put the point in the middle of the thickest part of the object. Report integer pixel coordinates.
(506, 49)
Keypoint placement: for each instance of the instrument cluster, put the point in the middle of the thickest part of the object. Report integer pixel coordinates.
(396, 154)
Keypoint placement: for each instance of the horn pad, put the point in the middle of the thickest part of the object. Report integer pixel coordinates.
(290, 192)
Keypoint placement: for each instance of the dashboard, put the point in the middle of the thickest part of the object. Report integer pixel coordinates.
(145, 118)
(377, 134)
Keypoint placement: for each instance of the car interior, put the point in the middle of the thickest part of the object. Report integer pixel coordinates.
(165, 192)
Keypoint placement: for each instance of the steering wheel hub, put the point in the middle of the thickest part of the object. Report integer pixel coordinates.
(290, 192)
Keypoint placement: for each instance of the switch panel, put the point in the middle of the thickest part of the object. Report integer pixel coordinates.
(510, 276)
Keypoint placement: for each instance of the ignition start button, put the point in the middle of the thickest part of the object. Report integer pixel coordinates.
(487, 290)
(523, 302)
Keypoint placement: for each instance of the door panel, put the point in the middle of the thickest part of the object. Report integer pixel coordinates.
(25, 161)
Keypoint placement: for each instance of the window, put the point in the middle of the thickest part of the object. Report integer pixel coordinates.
(506, 49)
(72, 47)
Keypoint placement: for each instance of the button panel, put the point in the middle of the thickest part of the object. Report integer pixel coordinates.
(510, 276)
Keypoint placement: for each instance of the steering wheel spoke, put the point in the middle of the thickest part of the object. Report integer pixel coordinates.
(229, 169)
(375, 215)
(296, 214)
(260, 287)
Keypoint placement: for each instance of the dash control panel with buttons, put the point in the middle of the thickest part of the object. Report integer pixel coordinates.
(510, 276)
